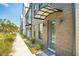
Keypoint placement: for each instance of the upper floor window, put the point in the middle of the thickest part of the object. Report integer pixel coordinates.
(44, 5)
(40, 4)
(29, 16)
(36, 8)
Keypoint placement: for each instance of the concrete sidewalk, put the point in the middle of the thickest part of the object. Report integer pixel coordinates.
(20, 48)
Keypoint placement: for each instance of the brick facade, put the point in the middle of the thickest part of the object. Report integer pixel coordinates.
(65, 39)
(77, 29)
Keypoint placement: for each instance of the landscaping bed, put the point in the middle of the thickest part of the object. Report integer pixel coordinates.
(6, 41)
(33, 45)
(23, 36)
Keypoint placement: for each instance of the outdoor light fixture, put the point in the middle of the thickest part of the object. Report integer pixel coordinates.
(61, 21)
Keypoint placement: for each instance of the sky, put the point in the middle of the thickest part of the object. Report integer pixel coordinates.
(11, 11)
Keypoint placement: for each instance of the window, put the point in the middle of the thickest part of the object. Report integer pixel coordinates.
(36, 8)
(29, 17)
(52, 35)
(44, 5)
(40, 5)
(34, 31)
(40, 31)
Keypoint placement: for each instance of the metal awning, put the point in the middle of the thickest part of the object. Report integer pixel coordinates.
(44, 12)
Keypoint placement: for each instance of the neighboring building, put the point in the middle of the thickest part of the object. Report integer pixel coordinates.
(28, 25)
(53, 25)
(23, 19)
(21, 25)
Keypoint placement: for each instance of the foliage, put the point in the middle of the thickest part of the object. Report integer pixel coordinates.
(36, 42)
(5, 48)
(7, 35)
(10, 37)
(37, 45)
(6, 42)
(7, 26)
(23, 36)
(28, 44)
(32, 40)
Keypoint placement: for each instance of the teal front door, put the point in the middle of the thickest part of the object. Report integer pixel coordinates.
(52, 35)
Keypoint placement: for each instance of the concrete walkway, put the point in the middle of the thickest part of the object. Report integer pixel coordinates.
(20, 48)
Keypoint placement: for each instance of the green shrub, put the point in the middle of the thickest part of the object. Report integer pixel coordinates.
(32, 40)
(38, 45)
(10, 37)
(6, 42)
(27, 42)
(5, 48)
(2, 36)
(23, 36)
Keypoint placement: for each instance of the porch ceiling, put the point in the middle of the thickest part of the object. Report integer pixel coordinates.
(44, 12)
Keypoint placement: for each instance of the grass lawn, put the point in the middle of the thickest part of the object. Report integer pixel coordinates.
(6, 42)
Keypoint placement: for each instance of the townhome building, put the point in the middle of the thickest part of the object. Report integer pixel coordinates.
(54, 25)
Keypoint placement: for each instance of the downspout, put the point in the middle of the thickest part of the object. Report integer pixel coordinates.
(74, 41)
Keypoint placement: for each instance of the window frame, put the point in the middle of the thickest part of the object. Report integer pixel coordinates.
(40, 32)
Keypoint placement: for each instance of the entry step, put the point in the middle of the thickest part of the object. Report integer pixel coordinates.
(45, 53)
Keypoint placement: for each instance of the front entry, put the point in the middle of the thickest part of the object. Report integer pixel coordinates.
(52, 35)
